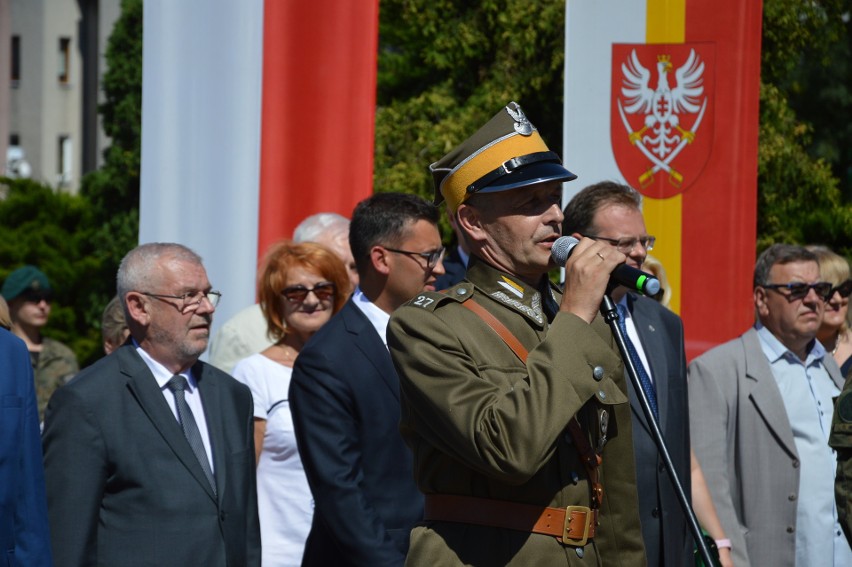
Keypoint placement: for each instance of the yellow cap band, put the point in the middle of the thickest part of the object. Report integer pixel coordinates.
(454, 186)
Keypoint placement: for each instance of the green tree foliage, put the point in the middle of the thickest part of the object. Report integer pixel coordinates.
(52, 231)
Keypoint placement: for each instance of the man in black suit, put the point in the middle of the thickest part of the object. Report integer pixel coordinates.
(149, 453)
(611, 212)
(344, 393)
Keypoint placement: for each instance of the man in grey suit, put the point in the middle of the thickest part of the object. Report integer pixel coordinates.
(149, 453)
(760, 409)
(611, 212)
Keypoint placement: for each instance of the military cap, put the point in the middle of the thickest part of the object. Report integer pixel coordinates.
(26, 278)
(506, 153)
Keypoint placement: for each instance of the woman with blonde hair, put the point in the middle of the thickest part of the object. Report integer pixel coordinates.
(834, 333)
(300, 287)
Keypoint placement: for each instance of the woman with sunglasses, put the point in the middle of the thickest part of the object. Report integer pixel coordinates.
(834, 333)
(300, 288)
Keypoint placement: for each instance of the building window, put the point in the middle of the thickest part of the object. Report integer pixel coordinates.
(65, 156)
(16, 58)
(64, 59)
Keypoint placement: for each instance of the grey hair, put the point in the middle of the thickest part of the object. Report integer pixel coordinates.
(320, 224)
(780, 254)
(140, 268)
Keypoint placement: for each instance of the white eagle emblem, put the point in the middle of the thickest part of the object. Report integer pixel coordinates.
(663, 135)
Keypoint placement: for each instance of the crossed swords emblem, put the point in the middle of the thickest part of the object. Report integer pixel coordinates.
(661, 164)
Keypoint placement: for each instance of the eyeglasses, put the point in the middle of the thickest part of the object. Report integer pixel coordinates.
(190, 300)
(432, 258)
(35, 296)
(844, 289)
(298, 293)
(800, 290)
(625, 245)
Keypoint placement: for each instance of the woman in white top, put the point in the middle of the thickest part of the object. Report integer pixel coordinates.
(300, 288)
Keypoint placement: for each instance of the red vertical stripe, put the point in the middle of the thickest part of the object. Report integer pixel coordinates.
(318, 108)
(720, 210)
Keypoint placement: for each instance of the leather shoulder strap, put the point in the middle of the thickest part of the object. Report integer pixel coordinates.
(511, 340)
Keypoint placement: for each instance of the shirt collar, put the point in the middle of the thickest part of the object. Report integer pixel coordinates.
(509, 290)
(161, 374)
(775, 349)
(378, 318)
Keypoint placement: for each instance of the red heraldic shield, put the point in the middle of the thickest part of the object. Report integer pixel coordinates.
(662, 114)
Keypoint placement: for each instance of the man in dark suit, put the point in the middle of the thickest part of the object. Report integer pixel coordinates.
(611, 212)
(24, 536)
(344, 393)
(149, 453)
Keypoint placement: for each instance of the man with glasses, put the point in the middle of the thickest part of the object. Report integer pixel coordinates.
(760, 417)
(513, 396)
(29, 294)
(344, 393)
(149, 452)
(611, 212)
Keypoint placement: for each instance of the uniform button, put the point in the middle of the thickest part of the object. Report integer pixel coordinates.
(792, 497)
(602, 395)
(795, 463)
(461, 291)
(598, 373)
(580, 552)
(655, 512)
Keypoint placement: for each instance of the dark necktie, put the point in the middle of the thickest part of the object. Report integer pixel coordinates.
(549, 305)
(644, 379)
(190, 429)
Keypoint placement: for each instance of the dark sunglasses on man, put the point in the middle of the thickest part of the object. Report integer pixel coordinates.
(800, 290)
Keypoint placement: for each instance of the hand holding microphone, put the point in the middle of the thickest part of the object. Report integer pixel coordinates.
(625, 275)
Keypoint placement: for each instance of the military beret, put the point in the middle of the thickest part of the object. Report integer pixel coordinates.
(506, 153)
(24, 279)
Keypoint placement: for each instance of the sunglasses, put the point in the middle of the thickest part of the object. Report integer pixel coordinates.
(844, 289)
(298, 293)
(37, 296)
(800, 290)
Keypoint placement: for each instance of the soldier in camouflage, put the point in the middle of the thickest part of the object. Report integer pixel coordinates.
(841, 441)
(28, 293)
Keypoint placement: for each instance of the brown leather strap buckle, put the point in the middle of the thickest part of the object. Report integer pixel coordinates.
(580, 521)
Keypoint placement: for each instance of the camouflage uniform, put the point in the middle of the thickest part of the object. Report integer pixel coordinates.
(53, 367)
(841, 441)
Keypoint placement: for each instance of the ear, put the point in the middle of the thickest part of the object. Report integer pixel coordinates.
(138, 308)
(470, 221)
(760, 303)
(380, 259)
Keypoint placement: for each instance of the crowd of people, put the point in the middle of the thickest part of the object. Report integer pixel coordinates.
(390, 402)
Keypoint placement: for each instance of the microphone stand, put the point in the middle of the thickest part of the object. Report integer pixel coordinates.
(611, 316)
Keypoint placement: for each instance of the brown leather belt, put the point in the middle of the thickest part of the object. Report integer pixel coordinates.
(574, 525)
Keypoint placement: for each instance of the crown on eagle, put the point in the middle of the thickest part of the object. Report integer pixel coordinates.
(664, 58)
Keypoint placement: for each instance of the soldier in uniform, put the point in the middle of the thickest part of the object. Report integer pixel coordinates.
(513, 395)
(28, 292)
(841, 441)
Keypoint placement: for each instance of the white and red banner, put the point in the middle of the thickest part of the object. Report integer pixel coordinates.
(663, 95)
(255, 114)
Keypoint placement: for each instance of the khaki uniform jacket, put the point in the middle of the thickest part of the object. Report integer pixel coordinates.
(481, 423)
(56, 365)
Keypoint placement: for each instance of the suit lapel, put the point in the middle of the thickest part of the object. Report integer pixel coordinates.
(366, 339)
(764, 392)
(648, 326)
(211, 400)
(143, 386)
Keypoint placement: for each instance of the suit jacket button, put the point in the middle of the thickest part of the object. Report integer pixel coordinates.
(795, 463)
(598, 373)
(790, 529)
(221, 516)
(792, 497)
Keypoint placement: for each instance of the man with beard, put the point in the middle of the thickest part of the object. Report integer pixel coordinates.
(149, 453)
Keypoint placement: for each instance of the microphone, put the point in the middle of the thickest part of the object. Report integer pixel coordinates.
(623, 274)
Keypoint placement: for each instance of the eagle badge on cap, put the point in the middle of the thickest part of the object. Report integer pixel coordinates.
(522, 124)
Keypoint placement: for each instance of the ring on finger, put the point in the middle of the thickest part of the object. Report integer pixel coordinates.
(599, 255)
